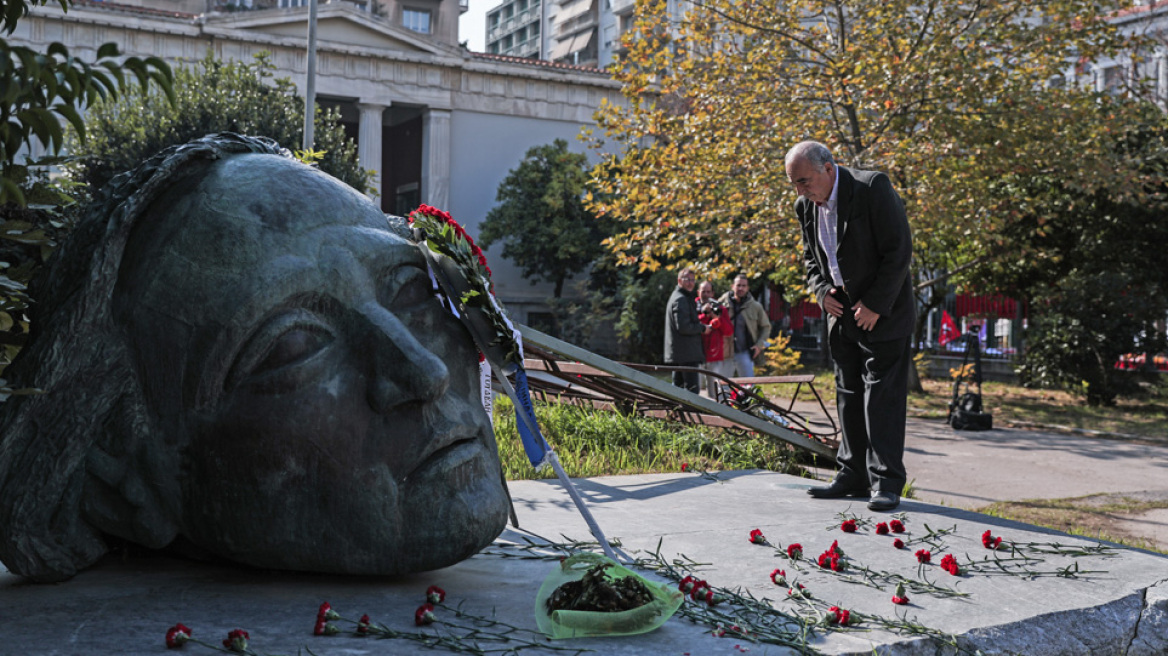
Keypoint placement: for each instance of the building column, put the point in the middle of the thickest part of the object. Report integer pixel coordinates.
(369, 143)
(1161, 69)
(436, 158)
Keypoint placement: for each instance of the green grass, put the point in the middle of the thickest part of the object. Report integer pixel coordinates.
(1145, 417)
(1092, 517)
(591, 442)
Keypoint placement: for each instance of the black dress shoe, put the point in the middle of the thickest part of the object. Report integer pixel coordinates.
(883, 501)
(837, 490)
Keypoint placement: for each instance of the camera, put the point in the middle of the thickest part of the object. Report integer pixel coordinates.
(712, 308)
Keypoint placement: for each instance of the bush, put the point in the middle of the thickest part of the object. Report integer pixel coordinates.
(211, 96)
(780, 359)
(1088, 321)
(642, 315)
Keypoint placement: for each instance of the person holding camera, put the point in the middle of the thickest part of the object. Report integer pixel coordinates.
(719, 341)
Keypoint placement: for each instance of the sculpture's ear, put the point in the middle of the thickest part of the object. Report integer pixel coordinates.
(131, 486)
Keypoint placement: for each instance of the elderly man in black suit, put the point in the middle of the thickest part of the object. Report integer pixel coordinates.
(857, 248)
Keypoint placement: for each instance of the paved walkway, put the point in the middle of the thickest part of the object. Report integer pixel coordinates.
(969, 469)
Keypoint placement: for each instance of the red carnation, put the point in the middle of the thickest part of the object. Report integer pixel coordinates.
(323, 615)
(896, 525)
(435, 594)
(831, 559)
(701, 591)
(923, 556)
(177, 636)
(882, 528)
(795, 551)
(839, 616)
(685, 466)
(686, 584)
(949, 564)
(756, 537)
(363, 624)
(236, 641)
(849, 526)
(779, 577)
(898, 543)
(707, 596)
(424, 615)
(989, 541)
(900, 596)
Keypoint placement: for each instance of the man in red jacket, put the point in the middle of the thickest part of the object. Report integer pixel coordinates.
(719, 341)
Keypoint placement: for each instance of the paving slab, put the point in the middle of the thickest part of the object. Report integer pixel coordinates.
(125, 604)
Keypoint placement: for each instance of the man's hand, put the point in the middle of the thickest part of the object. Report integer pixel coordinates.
(832, 304)
(865, 318)
(754, 351)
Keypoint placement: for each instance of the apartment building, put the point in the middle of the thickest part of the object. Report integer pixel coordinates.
(573, 32)
(515, 29)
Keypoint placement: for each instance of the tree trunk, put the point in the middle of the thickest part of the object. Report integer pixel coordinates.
(914, 376)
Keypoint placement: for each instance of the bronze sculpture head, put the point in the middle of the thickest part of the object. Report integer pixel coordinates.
(243, 353)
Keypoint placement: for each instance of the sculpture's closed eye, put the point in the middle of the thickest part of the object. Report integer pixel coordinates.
(273, 353)
(294, 345)
(404, 288)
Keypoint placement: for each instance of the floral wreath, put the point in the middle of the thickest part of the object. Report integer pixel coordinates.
(445, 236)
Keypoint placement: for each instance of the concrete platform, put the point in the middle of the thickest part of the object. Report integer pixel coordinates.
(125, 606)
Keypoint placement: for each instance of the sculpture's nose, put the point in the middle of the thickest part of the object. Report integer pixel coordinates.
(403, 370)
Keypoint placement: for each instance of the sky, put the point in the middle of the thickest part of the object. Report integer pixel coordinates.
(472, 26)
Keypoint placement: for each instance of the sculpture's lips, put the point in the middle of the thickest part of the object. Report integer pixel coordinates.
(452, 455)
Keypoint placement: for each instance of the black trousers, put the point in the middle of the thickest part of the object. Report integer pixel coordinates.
(687, 379)
(871, 399)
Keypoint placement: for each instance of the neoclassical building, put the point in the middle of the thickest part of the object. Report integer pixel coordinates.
(439, 124)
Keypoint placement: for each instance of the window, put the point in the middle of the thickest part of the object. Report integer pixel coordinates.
(417, 20)
(406, 198)
(293, 3)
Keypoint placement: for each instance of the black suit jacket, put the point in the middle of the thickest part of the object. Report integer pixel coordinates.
(874, 251)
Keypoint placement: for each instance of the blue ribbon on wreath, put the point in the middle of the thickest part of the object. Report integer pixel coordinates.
(534, 445)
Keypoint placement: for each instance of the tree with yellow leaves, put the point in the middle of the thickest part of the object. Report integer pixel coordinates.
(946, 97)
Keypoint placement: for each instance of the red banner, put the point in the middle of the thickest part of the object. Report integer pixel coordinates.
(996, 306)
(949, 331)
